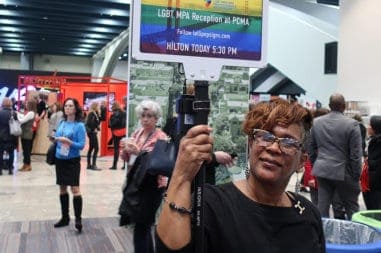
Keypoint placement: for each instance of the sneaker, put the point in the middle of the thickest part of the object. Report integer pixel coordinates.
(112, 168)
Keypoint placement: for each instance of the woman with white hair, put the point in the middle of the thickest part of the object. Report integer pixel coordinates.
(150, 192)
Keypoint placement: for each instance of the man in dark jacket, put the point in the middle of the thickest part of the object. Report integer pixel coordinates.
(336, 155)
(7, 141)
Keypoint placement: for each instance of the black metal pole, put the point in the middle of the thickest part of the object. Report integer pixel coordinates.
(201, 107)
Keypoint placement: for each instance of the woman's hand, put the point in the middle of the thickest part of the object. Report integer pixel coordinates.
(162, 181)
(174, 228)
(224, 158)
(64, 140)
(129, 146)
(195, 148)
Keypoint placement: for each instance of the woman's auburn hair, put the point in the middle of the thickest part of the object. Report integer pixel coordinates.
(267, 115)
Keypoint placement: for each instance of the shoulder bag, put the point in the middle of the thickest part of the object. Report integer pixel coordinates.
(14, 126)
(162, 158)
(51, 154)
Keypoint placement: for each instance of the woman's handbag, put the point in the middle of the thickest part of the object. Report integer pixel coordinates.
(51, 154)
(364, 178)
(14, 126)
(162, 158)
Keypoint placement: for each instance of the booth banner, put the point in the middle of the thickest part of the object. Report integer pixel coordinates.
(229, 29)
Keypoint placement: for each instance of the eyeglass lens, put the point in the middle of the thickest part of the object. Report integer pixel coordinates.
(286, 145)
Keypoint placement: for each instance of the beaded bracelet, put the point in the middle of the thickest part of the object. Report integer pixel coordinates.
(174, 207)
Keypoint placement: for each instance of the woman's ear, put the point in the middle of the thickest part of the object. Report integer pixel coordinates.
(303, 159)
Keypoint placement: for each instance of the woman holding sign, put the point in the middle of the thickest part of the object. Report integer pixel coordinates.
(253, 214)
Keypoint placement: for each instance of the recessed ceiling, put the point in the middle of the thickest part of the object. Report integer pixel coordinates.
(63, 27)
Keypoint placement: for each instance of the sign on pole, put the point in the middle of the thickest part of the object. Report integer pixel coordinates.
(204, 35)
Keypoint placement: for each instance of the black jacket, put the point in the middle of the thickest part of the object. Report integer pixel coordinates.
(118, 120)
(5, 115)
(374, 162)
(92, 122)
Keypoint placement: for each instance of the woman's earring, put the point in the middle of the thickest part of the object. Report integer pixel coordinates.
(297, 184)
(247, 171)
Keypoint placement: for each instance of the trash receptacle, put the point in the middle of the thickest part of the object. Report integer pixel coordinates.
(371, 218)
(346, 236)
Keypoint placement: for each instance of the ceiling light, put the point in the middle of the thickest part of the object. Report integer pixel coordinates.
(7, 29)
(8, 22)
(87, 46)
(84, 50)
(80, 53)
(116, 12)
(90, 41)
(105, 21)
(96, 36)
(100, 30)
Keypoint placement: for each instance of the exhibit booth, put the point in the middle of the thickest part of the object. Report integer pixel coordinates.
(85, 89)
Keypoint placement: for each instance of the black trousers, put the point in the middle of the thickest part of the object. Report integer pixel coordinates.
(372, 200)
(348, 192)
(143, 241)
(26, 150)
(116, 142)
(93, 148)
(9, 147)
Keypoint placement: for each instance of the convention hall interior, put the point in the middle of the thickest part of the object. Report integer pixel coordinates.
(81, 48)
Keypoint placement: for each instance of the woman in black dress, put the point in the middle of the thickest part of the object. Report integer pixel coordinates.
(70, 137)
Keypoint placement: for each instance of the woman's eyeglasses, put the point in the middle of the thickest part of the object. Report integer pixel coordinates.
(288, 146)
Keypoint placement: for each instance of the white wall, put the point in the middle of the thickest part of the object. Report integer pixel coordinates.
(121, 70)
(10, 61)
(62, 63)
(359, 75)
(48, 63)
(296, 48)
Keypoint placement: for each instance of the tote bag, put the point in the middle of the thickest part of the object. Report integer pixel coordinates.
(14, 126)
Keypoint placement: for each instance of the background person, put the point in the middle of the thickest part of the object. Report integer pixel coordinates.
(372, 198)
(56, 115)
(70, 137)
(363, 131)
(27, 119)
(254, 214)
(336, 155)
(118, 129)
(92, 128)
(8, 142)
(144, 139)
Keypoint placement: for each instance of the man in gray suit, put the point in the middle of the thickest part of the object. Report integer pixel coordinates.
(336, 157)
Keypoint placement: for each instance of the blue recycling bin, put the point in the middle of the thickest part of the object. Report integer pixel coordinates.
(349, 237)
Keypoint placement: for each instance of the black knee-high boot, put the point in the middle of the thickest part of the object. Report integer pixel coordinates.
(77, 202)
(64, 221)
